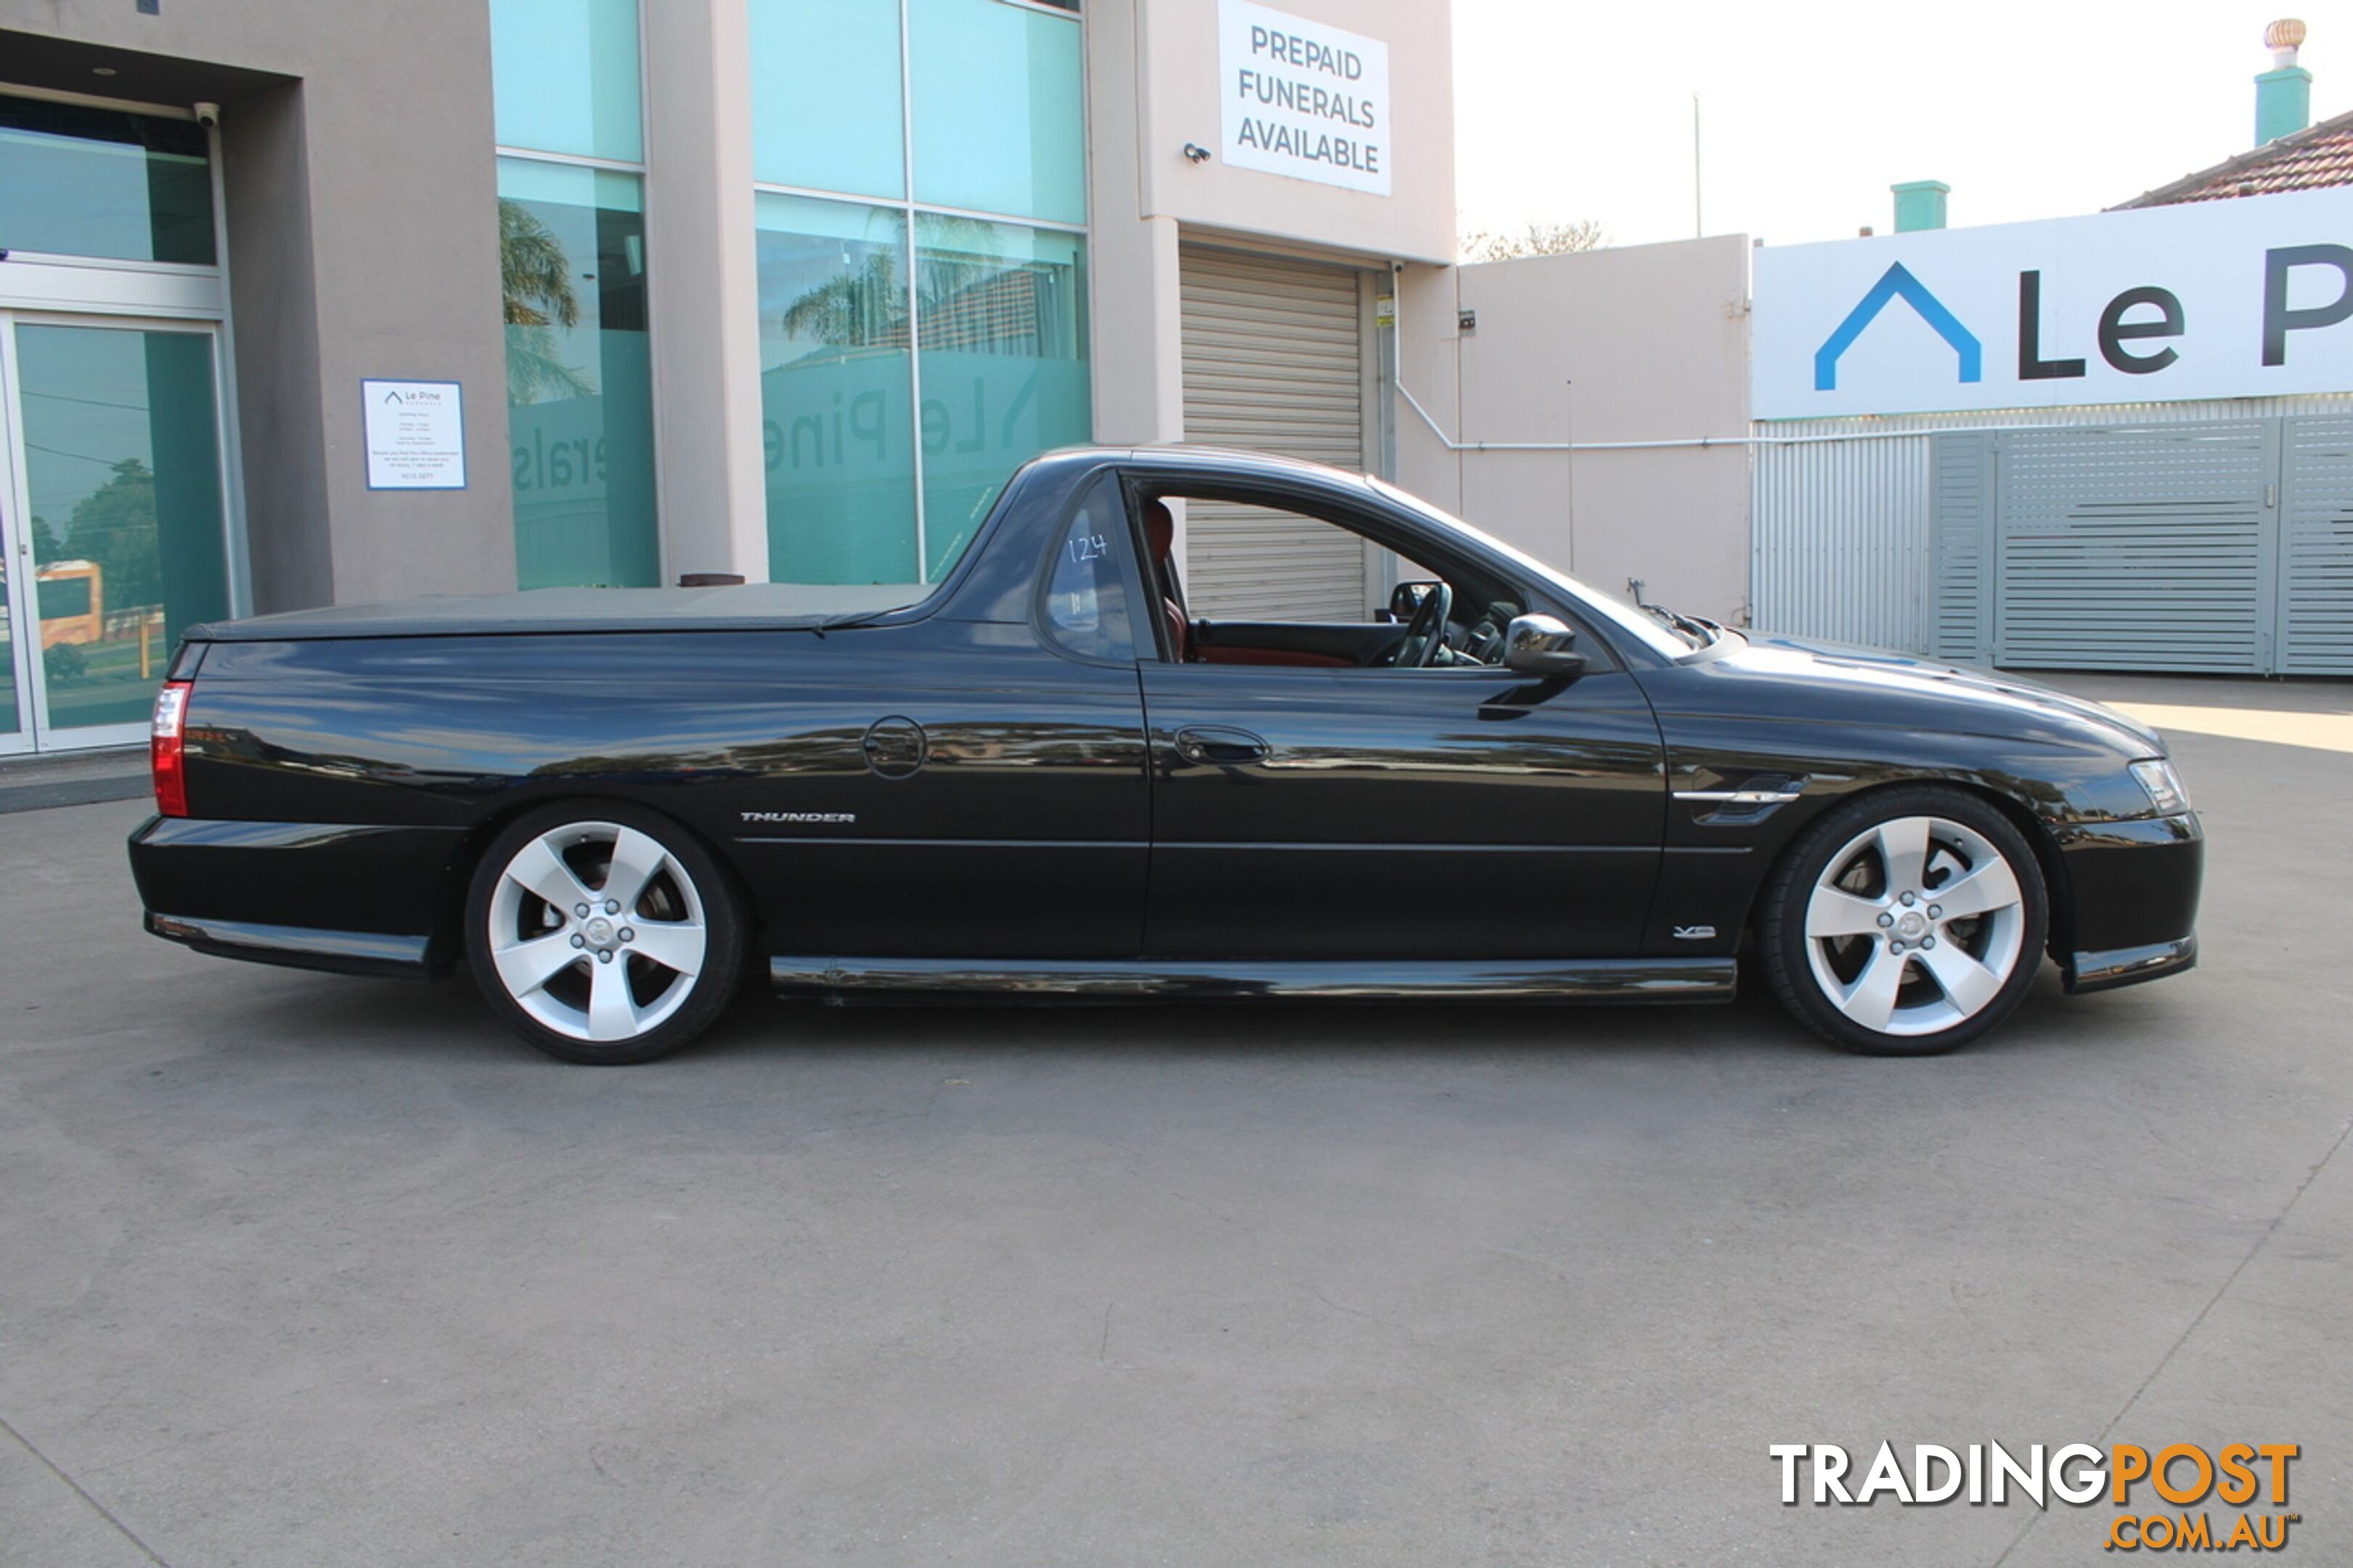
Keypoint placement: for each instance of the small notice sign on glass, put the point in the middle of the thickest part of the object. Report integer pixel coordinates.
(415, 435)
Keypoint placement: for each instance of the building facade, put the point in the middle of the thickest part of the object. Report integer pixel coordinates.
(307, 303)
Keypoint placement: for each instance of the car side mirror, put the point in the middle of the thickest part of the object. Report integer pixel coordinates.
(1542, 645)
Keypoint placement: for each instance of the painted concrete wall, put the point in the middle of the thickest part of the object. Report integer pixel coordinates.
(1639, 343)
(1139, 392)
(343, 168)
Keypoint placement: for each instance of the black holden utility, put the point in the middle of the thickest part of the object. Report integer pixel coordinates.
(1048, 775)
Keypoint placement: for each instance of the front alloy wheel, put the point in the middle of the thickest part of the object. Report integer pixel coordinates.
(602, 934)
(1906, 922)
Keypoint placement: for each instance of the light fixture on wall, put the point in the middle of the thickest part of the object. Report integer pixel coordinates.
(1196, 153)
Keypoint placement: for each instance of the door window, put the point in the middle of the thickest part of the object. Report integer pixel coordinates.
(1303, 613)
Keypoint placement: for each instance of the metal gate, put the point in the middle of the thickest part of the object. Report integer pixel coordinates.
(1273, 361)
(2224, 546)
(2316, 589)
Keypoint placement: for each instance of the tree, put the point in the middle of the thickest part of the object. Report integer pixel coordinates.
(47, 546)
(851, 310)
(1533, 238)
(536, 297)
(114, 525)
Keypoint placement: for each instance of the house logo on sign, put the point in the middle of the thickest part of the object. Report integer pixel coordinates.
(2209, 300)
(1897, 284)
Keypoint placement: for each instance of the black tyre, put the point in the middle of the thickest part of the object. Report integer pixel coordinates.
(603, 933)
(1905, 922)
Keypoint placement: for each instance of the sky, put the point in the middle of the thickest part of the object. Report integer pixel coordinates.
(1810, 109)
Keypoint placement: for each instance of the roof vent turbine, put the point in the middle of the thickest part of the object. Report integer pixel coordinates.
(2283, 93)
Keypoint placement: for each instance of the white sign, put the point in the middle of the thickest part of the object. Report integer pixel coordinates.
(1302, 98)
(415, 435)
(2245, 298)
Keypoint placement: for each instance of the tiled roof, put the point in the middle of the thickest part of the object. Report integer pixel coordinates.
(2313, 159)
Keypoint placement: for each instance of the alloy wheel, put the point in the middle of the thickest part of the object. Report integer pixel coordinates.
(1914, 926)
(598, 932)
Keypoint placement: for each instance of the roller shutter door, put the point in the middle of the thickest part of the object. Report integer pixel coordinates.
(1274, 363)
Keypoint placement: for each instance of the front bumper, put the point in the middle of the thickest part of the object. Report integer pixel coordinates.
(2130, 904)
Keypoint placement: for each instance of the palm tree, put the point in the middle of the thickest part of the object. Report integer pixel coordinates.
(854, 310)
(537, 296)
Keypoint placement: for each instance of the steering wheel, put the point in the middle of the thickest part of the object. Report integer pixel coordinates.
(1429, 623)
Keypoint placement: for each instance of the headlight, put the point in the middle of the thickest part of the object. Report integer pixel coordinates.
(2163, 786)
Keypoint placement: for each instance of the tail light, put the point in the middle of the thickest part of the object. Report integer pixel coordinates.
(164, 749)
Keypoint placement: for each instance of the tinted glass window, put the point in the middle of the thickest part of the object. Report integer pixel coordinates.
(837, 391)
(1000, 119)
(572, 267)
(1086, 592)
(76, 181)
(826, 112)
(1002, 332)
(564, 77)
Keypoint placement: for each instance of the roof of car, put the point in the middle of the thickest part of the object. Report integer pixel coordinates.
(1231, 461)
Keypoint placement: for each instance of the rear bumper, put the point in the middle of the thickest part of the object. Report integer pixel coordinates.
(353, 898)
(299, 947)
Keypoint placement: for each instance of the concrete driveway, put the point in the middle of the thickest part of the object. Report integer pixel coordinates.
(302, 1270)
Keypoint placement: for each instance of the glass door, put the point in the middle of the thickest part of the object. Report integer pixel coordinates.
(115, 519)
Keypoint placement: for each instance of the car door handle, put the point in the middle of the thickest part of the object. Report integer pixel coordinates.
(1213, 744)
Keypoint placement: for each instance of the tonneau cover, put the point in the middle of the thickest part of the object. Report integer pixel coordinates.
(747, 608)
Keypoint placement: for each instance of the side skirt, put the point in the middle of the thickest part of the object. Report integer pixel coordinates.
(1188, 980)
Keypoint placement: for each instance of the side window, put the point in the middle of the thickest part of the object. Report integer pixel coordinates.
(1086, 583)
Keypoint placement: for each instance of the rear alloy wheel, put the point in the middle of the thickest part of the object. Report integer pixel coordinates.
(602, 934)
(1906, 922)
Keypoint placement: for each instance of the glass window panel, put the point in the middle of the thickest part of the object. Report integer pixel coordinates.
(1002, 315)
(835, 392)
(76, 181)
(564, 77)
(826, 96)
(122, 467)
(572, 274)
(1086, 597)
(1000, 124)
